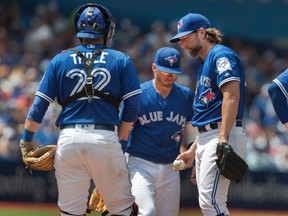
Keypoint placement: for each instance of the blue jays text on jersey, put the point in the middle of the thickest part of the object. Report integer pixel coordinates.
(158, 132)
(113, 74)
(158, 116)
(221, 65)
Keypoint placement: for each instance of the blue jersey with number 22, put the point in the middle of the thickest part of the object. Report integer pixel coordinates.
(113, 74)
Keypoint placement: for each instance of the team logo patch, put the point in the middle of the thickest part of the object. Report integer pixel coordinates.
(171, 59)
(207, 96)
(180, 24)
(178, 137)
(223, 64)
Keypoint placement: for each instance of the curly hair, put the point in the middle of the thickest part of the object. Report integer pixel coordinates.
(214, 35)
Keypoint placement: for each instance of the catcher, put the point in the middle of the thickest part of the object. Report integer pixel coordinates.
(89, 81)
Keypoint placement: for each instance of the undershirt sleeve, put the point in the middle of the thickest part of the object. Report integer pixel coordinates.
(38, 109)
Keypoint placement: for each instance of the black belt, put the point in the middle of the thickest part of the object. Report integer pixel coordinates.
(96, 126)
(214, 125)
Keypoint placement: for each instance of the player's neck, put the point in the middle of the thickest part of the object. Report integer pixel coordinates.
(163, 90)
(205, 50)
(93, 41)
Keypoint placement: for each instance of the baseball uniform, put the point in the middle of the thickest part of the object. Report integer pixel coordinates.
(214, 113)
(156, 139)
(88, 147)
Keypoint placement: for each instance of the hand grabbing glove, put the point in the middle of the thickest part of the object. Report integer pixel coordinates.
(38, 157)
(25, 147)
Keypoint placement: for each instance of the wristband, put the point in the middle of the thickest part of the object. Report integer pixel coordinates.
(27, 135)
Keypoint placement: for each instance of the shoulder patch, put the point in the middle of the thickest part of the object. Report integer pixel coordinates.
(223, 64)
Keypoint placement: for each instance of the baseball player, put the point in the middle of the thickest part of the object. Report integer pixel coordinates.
(88, 81)
(218, 105)
(164, 118)
(278, 92)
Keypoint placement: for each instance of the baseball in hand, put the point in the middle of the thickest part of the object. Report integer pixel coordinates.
(178, 165)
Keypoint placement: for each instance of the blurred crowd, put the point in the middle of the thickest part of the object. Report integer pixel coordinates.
(27, 45)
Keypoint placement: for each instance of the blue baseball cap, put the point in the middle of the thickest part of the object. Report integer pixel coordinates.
(190, 23)
(168, 59)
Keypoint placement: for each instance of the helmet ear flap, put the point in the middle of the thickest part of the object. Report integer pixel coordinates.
(110, 25)
(110, 33)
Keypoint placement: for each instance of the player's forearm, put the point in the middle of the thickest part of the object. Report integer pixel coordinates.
(228, 119)
(230, 104)
(124, 130)
(190, 133)
(31, 125)
(192, 149)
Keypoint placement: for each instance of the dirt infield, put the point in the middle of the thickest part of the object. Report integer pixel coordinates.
(183, 211)
(23, 205)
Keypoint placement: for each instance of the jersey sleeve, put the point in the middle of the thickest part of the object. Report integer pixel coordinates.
(279, 101)
(129, 78)
(47, 86)
(227, 68)
(282, 82)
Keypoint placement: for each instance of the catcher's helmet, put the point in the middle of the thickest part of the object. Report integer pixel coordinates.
(94, 21)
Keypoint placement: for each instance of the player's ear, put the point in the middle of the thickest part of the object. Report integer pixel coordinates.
(201, 32)
(154, 67)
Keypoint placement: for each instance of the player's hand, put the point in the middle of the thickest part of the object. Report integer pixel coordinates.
(25, 147)
(188, 157)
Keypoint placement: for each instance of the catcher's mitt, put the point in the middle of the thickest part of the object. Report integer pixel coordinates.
(40, 158)
(96, 203)
(230, 164)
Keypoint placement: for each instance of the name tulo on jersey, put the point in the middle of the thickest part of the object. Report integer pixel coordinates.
(77, 59)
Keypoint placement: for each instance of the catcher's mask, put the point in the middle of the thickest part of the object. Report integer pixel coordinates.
(94, 21)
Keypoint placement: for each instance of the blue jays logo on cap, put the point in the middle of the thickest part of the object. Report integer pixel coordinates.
(190, 23)
(168, 59)
(171, 59)
(180, 24)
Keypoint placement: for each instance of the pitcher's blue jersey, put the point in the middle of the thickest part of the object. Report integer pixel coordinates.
(158, 132)
(220, 66)
(282, 82)
(113, 73)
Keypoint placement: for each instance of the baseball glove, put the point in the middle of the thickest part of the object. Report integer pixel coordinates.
(230, 164)
(40, 158)
(96, 203)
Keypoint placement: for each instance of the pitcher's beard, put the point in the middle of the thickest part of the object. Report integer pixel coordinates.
(194, 52)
